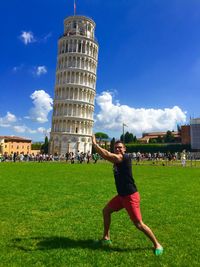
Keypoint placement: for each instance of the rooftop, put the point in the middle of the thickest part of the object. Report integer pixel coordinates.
(14, 138)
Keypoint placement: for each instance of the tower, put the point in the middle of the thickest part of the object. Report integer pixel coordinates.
(75, 87)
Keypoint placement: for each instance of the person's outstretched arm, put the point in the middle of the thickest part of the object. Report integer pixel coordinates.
(114, 158)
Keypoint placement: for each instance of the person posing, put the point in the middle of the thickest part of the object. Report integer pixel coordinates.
(128, 196)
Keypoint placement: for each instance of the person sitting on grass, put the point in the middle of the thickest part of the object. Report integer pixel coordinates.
(128, 196)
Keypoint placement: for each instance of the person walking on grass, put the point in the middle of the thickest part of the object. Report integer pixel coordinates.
(183, 158)
(128, 197)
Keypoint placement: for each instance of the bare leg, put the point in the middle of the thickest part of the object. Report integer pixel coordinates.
(148, 232)
(107, 221)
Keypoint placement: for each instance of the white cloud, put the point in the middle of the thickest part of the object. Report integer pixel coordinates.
(19, 128)
(35, 70)
(23, 129)
(42, 106)
(7, 120)
(41, 70)
(16, 125)
(111, 117)
(10, 117)
(27, 37)
(41, 130)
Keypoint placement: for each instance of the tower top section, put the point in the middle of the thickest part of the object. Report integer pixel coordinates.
(79, 26)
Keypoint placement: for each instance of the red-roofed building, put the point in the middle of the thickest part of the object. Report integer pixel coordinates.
(155, 135)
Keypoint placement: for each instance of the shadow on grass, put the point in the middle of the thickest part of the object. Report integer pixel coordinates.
(47, 243)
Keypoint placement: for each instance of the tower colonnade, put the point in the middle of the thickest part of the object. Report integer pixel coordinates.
(71, 126)
(74, 93)
(76, 77)
(75, 87)
(73, 110)
(78, 46)
(77, 62)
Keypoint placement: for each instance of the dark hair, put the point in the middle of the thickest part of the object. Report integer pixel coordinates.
(119, 142)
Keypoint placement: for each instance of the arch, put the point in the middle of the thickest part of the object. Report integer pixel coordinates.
(74, 62)
(73, 46)
(78, 62)
(76, 93)
(82, 63)
(87, 64)
(72, 77)
(88, 48)
(83, 47)
(79, 46)
(65, 110)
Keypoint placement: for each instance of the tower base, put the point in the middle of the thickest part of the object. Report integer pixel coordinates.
(60, 144)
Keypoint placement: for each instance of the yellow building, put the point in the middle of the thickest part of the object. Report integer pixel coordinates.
(15, 144)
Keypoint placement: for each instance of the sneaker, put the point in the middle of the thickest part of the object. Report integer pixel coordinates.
(158, 251)
(103, 242)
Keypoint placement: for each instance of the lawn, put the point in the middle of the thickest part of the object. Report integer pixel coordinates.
(51, 213)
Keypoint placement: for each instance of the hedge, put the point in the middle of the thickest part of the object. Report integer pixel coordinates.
(154, 148)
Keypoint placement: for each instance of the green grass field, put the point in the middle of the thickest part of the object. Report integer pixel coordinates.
(51, 213)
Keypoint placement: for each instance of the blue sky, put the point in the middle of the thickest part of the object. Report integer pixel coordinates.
(148, 70)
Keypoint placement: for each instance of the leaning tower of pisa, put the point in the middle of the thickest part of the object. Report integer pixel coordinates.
(75, 87)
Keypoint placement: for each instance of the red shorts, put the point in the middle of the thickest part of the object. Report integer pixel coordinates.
(131, 203)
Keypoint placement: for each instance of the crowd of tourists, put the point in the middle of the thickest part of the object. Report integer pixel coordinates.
(81, 157)
(71, 157)
(161, 157)
(156, 156)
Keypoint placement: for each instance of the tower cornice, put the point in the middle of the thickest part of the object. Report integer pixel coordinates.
(79, 17)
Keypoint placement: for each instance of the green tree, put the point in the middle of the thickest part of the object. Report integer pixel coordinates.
(169, 137)
(36, 146)
(128, 138)
(101, 135)
(160, 139)
(45, 146)
(134, 139)
(131, 138)
(153, 140)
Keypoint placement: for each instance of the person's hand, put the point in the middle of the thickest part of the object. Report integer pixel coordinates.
(94, 142)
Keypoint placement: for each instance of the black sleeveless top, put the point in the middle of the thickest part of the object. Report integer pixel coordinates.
(124, 181)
